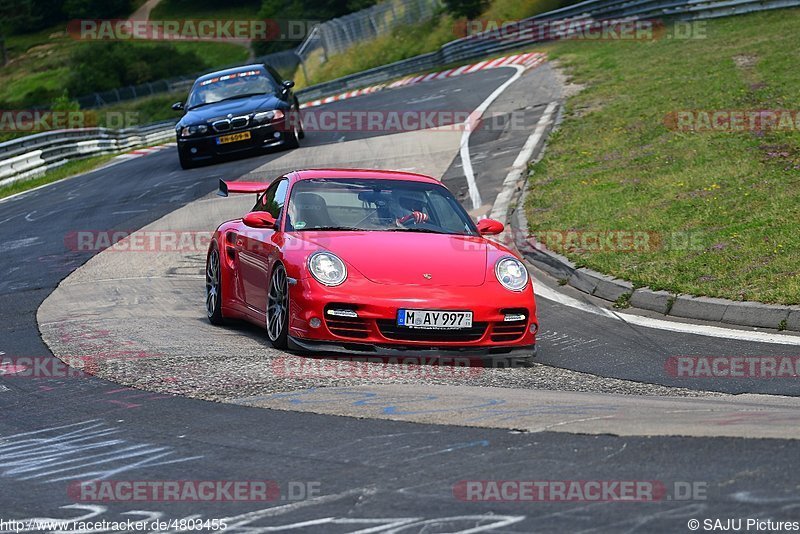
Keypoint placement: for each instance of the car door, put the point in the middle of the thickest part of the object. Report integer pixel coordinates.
(257, 249)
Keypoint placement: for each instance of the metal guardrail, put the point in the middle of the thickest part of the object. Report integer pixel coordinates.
(34, 155)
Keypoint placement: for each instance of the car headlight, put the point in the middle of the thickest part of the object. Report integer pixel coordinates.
(511, 273)
(188, 131)
(267, 116)
(327, 268)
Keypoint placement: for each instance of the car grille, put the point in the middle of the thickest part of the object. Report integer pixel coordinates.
(390, 330)
(511, 330)
(239, 122)
(508, 331)
(226, 125)
(221, 126)
(352, 327)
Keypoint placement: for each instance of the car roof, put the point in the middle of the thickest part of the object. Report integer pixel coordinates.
(243, 68)
(371, 174)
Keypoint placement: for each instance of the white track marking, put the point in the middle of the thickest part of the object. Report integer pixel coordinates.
(501, 203)
(469, 173)
(662, 324)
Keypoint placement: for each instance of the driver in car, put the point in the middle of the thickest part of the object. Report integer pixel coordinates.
(416, 206)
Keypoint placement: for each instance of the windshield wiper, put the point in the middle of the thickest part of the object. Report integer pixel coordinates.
(201, 104)
(424, 230)
(246, 95)
(333, 228)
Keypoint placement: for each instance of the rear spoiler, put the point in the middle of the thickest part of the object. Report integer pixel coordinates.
(225, 188)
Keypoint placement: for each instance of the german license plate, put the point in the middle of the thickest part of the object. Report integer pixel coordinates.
(232, 138)
(434, 319)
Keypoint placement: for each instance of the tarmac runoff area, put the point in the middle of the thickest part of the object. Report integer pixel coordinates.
(139, 318)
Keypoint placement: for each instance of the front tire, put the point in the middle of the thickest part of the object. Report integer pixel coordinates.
(301, 133)
(278, 308)
(294, 139)
(296, 134)
(186, 162)
(214, 288)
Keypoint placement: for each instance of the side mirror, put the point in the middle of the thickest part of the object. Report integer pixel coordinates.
(287, 85)
(177, 106)
(259, 219)
(490, 227)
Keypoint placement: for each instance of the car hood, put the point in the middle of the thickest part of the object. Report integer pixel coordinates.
(407, 257)
(238, 107)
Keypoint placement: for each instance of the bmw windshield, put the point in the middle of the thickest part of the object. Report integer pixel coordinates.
(229, 87)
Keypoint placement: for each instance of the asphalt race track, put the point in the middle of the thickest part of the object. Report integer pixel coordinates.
(372, 456)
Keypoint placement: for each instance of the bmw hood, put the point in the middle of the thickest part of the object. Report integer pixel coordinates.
(408, 258)
(238, 107)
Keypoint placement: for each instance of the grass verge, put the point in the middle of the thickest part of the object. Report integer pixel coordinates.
(617, 163)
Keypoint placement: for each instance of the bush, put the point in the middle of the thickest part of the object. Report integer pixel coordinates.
(105, 66)
(465, 8)
(26, 16)
(95, 9)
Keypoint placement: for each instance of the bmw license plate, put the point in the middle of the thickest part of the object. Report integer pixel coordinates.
(434, 319)
(243, 136)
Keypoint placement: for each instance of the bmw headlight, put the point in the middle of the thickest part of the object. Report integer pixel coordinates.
(511, 273)
(189, 131)
(267, 116)
(327, 268)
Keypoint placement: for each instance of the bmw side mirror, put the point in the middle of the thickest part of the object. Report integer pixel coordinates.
(490, 227)
(177, 106)
(287, 85)
(259, 219)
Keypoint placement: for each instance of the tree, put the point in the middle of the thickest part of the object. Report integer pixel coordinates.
(96, 9)
(465, 8)
(13, 15)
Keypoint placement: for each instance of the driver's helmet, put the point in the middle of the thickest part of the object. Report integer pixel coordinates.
(409, 201)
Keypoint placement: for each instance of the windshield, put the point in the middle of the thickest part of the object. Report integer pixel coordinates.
(378, 205)
(236, 85)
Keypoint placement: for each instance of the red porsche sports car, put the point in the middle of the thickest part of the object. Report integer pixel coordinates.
(369, 261)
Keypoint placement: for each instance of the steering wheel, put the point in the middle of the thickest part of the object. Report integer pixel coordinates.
(415, 218)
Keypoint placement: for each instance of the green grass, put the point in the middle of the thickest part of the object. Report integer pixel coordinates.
(70, 168)
(216, 55)
(615, 165)
(39, 66)
(149, 109)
